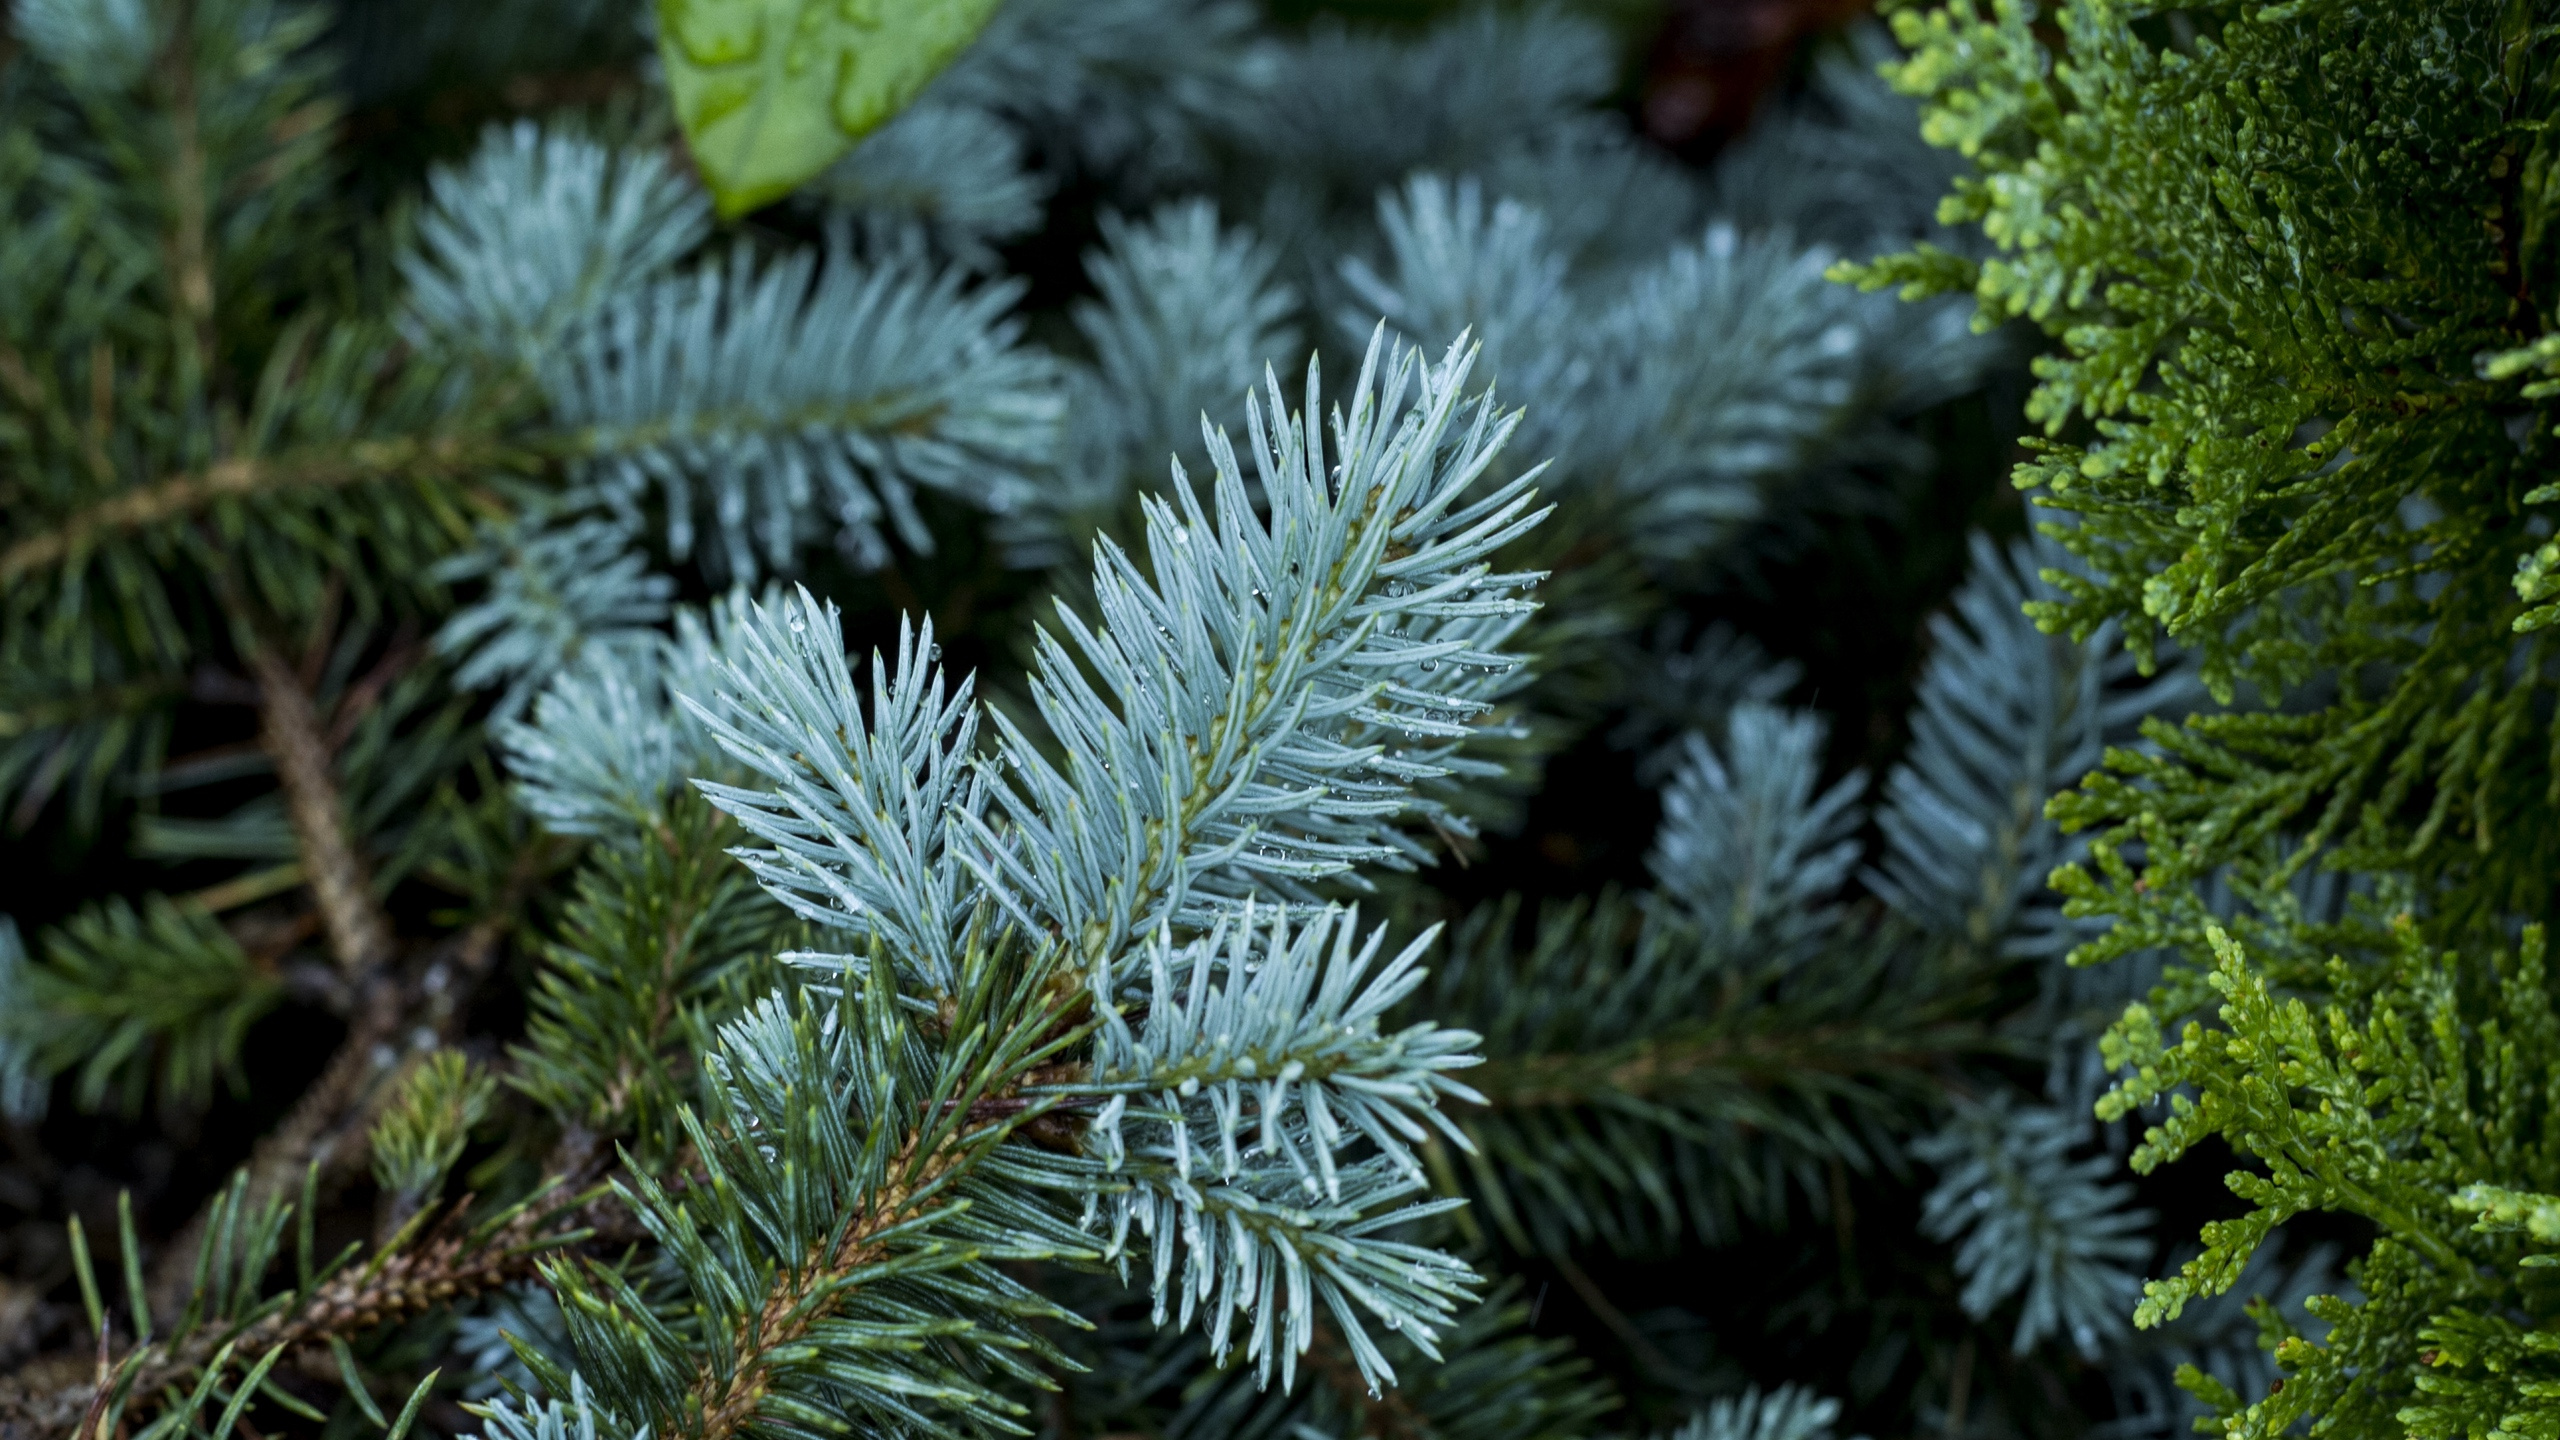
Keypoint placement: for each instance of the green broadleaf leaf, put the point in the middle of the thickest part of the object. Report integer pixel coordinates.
(770, 92)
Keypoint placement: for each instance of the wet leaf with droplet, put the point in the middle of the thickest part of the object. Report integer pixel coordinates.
(770, 92)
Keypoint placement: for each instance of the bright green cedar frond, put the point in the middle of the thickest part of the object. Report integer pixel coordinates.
(2297, 262)
(2270, 405)
(2383, 1106)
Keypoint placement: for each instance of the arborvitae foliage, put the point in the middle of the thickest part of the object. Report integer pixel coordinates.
(2298, 263)
(1020, 794)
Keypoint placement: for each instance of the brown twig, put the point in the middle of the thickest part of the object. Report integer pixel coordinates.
(328, 1125)
(366, 693)
(437, 1271)
(730, 1399)
(443, 1269)
(731, 1395)
(453, 457)
(360, 941)
(332, 862)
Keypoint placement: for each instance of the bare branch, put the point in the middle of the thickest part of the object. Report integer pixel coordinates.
(333, 467)
(48, 1400)
(329, 1124)
(306, 768)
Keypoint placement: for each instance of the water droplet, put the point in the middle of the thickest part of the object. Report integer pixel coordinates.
(933, 654)
(1181, 535)
(797, 624)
